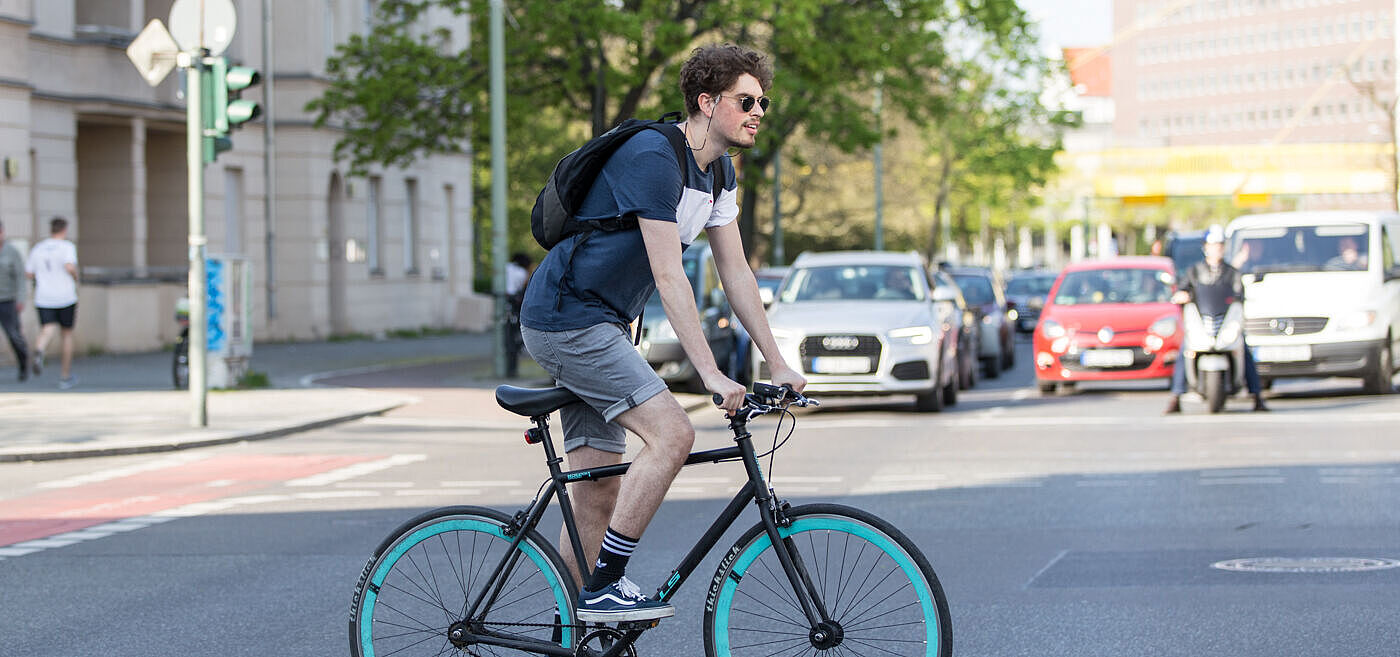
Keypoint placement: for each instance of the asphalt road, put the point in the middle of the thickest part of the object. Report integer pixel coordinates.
(1079, 525)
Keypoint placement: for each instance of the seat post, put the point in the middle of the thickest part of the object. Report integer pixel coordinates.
(551, 456)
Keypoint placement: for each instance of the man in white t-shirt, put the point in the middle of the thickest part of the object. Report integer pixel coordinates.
(53, 266)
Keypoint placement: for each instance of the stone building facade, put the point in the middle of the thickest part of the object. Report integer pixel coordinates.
(82, 136)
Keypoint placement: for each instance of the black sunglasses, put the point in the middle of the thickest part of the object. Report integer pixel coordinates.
(746, 102)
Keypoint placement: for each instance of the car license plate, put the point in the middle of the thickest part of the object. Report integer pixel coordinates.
(1106, 358)
(1283, 353)
(841, 364)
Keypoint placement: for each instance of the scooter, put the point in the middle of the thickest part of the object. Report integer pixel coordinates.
(1213, 353)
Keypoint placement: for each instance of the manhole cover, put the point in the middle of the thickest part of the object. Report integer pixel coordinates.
(1305, 565)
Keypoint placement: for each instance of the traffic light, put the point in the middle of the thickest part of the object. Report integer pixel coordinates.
(219, 85)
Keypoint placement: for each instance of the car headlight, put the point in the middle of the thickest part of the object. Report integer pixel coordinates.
(1165, 327)
(989, 319)
(663, 331)
(1356, 320)
(1051, 329)
(1012, 314)
(913, 334)
(1229, 332)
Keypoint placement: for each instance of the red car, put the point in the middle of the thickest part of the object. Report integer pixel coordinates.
(1108, 320)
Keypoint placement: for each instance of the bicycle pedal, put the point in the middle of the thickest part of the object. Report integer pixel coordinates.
(628, 626)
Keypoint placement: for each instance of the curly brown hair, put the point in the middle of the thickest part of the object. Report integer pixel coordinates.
(714, 68)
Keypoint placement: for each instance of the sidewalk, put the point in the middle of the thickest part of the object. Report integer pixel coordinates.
(124, 404)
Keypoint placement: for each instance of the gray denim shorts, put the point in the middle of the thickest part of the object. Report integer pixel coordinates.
(602, 367)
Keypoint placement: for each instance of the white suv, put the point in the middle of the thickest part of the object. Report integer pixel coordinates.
(1322, 293)
(864, 323)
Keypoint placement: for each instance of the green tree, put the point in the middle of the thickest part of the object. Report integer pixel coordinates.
(400, 92)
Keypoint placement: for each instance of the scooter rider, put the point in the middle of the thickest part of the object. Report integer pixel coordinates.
(1213, 285)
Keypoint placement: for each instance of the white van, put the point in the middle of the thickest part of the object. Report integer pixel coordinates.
(1322, 293)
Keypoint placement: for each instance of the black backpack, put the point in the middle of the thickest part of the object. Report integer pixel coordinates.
(552, 218)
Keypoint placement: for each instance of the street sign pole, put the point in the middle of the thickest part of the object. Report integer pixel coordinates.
(199, 324)
(498, 177)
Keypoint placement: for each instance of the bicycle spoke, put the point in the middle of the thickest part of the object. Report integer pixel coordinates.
(769, 643)
(863, 643)
(405, 615)
(768, 618)
(886, 627)
(425, 584)
(847, 581)
(769, 607)
(862, 619)
(777, 580)
(878, 600)
(411, 645)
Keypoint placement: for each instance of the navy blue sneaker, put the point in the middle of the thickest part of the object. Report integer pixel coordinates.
(620, 601)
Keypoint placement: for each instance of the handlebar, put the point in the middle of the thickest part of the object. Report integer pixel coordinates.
(766, 399)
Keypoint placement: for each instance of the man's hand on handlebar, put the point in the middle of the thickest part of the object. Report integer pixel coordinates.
(786, 376)
(728, 394)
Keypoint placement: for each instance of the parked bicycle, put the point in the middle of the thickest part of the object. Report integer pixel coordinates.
(814, 579)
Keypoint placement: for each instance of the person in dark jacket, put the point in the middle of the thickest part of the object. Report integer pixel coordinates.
(1213, 285)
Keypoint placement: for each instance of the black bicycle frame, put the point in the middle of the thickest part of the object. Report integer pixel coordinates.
(754, 490)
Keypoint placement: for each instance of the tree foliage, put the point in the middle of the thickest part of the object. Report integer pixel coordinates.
(577, 68)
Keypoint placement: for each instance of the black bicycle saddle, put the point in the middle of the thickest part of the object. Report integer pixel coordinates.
(532, 402)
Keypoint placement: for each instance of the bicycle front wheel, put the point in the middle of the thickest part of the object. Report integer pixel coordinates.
(879, 590)
(415, 590)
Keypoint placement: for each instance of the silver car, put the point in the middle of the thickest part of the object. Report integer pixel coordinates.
(864, 323)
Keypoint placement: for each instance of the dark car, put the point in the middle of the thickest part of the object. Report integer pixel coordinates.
(659, 344)
(1025, 293)
(1184, 248)
(769, 279)
(961, 322)
(979, 287)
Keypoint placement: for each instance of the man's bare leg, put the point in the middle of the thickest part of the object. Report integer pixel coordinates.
(66, 369)
(665, 429)
(593, 503)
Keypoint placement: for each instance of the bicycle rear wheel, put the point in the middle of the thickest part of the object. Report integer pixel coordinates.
(420, 580)
(877, 586)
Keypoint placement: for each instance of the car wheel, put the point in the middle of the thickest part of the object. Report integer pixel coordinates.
(1008, 354)
(1046, 388)
(991, 367)
(1378, 380)
(931, 401)
(950, 392)
(968, 373)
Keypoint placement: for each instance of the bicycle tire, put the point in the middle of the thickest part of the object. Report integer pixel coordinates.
(752, 610)
(418, 581)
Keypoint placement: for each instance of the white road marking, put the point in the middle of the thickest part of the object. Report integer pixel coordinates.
(357, 470)
(481, 484)
(440, 492)
(1239, 481)
(377, 484)
(807, 480)
(124, 471)
(335, 494)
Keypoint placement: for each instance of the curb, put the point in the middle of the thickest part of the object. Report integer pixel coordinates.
(176, 445)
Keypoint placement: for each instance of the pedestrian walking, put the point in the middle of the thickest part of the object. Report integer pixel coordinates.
(12, 295)
(53, 266)
(517, 276)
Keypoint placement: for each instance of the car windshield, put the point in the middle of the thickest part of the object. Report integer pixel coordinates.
(854, 282)
(1029, 286)
(976, 289)
(1186, 251)
(1098, 286)
(769, 283)
(1334, 247)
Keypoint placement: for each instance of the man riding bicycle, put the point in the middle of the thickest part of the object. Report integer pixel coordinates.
(593, 285)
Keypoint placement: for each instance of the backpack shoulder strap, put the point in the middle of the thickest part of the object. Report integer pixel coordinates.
(677, 138)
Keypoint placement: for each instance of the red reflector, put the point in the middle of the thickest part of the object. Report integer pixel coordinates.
(527, 438)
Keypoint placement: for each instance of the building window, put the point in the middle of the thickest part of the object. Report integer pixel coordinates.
(233, 211)
(373, 233)
(410, 226)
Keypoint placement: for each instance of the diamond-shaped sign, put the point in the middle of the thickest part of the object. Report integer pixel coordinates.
(153, 52)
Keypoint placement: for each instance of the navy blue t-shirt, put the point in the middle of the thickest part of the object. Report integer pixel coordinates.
(607, 278)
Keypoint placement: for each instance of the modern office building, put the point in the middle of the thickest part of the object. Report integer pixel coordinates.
(1268, 101)
(84, 137)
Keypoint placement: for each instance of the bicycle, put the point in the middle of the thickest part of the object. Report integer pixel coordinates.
(471, 580)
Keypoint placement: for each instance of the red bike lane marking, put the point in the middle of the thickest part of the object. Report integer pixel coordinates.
(65, 510)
